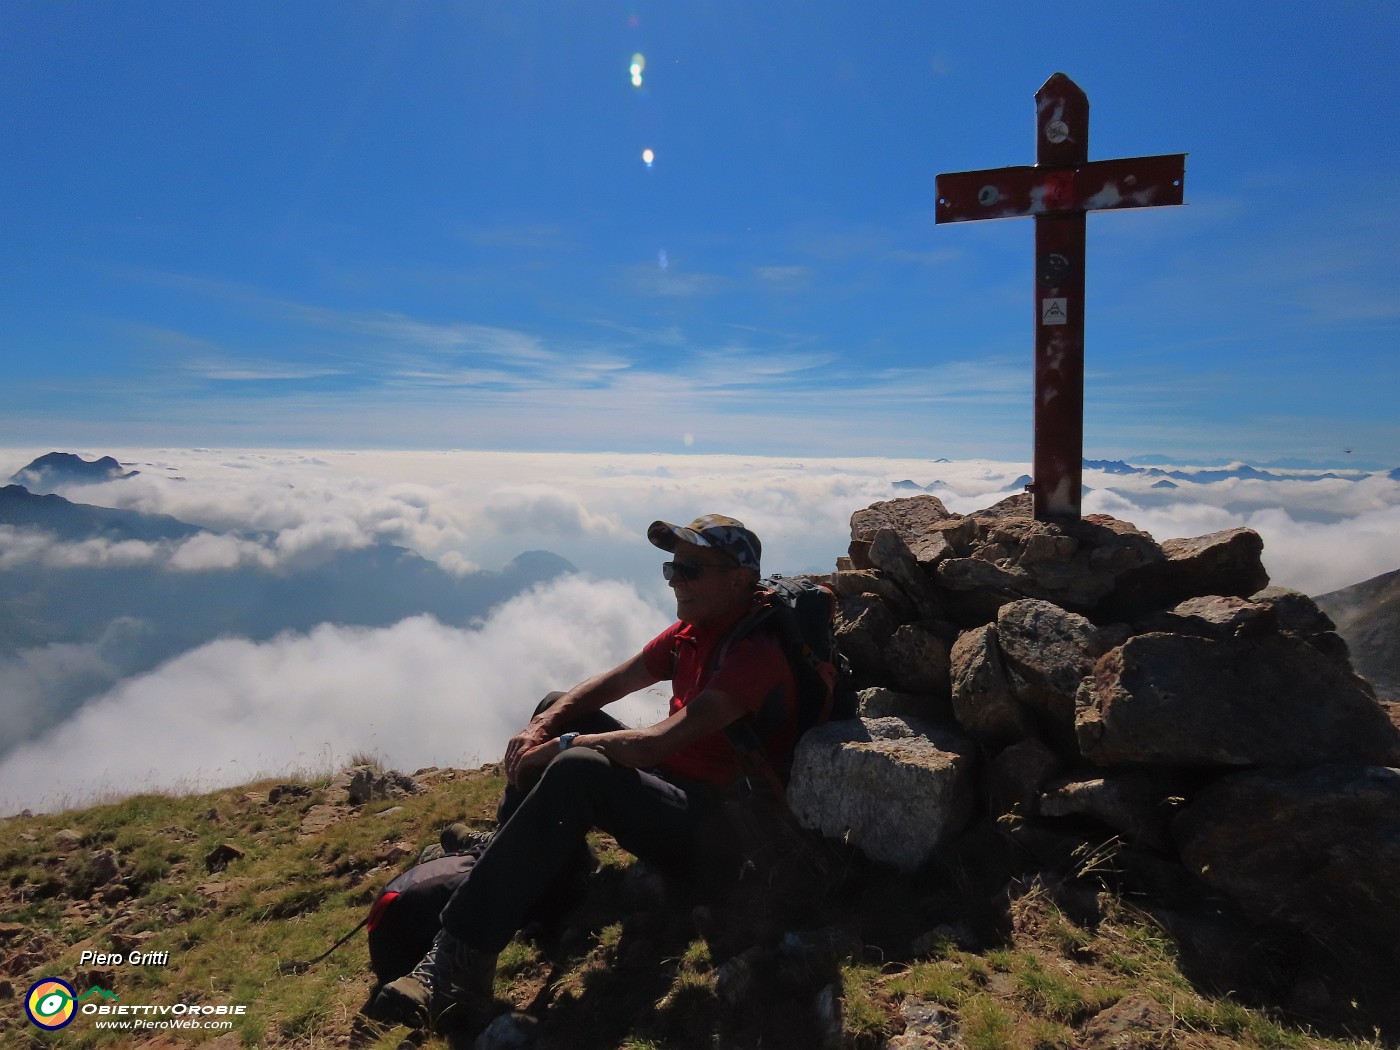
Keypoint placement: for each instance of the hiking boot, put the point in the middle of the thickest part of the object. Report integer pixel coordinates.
(449, 988)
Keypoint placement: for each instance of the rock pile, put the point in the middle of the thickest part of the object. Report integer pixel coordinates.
(1084, 675)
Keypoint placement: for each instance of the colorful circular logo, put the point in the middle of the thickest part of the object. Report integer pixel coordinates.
(49, 1003)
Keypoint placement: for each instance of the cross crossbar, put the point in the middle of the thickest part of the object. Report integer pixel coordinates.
(1099, 185)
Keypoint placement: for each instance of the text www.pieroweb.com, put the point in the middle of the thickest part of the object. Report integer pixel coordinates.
(132, 1018)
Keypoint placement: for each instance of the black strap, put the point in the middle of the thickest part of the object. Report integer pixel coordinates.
(302, 967)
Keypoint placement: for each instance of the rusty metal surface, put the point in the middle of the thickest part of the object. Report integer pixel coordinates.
(1100, 185)
(1058, 191)
(1061, 152)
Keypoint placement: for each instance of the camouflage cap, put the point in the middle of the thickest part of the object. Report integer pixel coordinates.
(711, 530)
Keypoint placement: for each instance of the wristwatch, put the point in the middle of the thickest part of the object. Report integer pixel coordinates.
(566, 741)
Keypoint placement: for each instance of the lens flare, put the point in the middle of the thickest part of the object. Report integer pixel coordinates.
(639, 63)
(647, 157)
(661, 259)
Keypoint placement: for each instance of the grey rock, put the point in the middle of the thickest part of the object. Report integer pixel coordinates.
(104, 867)
(1226, 563)
(927, 1026)
(894, 788)
(1138, 804)
(512, 1031)
(67, 840)
(880, 702)
(359, 785)
(221, 856)
(917, 660)
(1136, 1020)
(915, 519)
(1180, 700)
(864, 626)
(1018, 773)
(983, 700)
(1317, 848)
(977, 589)
(1047, 652)
(853, 583)
(1215, 616)
(890, 555)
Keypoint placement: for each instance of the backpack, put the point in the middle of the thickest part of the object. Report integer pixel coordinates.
(403, 920)
(801, 615)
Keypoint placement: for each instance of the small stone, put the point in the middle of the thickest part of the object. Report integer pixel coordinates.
(512, 1031)
(221, 856)
(67, 840)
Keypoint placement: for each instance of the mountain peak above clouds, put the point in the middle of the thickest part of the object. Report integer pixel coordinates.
(66, 468)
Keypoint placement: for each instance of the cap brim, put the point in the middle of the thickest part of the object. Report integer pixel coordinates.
(665, 535)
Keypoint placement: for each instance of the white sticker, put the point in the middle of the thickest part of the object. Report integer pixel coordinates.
(1052, 311)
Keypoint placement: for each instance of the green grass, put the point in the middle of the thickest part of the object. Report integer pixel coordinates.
(622, 979)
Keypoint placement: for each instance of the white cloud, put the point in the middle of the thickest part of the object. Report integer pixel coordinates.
(307, 697)
(20, 547)
(417, 693)
(483, 508)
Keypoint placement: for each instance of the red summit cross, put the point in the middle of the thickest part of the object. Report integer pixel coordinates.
(1058, 190)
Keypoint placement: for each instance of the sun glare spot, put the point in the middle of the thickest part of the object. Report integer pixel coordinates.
(639, 63)
(647, 157)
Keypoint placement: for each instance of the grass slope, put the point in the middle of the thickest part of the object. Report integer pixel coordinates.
(1044, 963)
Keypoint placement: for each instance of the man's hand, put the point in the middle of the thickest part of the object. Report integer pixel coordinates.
(530, 763)
(521, 745)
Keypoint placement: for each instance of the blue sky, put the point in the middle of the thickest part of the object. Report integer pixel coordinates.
(430, 225)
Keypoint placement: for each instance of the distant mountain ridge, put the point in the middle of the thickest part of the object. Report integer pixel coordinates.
(60, 468)
(1208, 475)
(115, 620)
(75, 522)
(1367, 615)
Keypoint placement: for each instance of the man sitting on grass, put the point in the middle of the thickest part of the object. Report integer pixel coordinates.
(573, 769)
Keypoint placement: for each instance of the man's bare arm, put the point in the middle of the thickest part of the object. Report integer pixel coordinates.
(589, 695)
(708, 713)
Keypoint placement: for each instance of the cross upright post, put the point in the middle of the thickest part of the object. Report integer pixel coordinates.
(1059, 190)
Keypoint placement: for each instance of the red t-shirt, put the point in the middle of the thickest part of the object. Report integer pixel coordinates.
(753, 669)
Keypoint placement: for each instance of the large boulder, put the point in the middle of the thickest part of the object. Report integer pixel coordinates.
(1047, 652)
(984, 702)
(1184, 700)
(890, 554)
(1227, 562)
(1012, 556)
(864, 625)
(895, 788)
(1316, 848)
(1136, 803)
(917, 659)
(920, 521)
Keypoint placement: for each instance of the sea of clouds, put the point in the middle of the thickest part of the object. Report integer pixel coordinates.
(422, 693)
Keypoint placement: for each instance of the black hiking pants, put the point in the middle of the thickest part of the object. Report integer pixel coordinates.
(542, 832)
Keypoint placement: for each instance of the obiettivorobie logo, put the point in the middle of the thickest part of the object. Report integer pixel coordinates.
(52, 1003)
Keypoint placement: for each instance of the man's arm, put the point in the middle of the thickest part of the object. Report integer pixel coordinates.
(589, 695)
(708, 713)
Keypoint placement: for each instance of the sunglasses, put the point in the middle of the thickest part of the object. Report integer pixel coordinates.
(689, 570)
